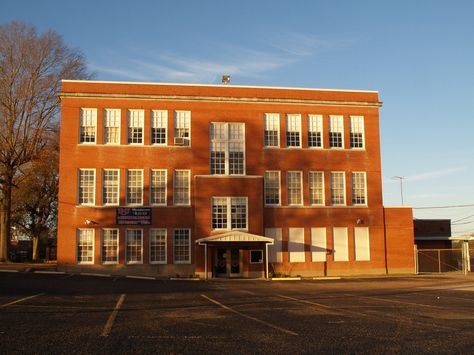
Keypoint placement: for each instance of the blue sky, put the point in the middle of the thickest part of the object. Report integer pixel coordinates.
(419, 55)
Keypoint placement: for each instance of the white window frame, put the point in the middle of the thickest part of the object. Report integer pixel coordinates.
(131, 262)
(131, 118)
(336, 125)
(361, 244)
(182, 121)
(318, 244)
(159, 116)
(311, 188)
(226, 142)
(175, 201)
(354, 187)
(165, 237)
(188, 261)
(250, 256)
(112, 114)
(357, 126)
(340, 246)
(103, 188)
(293, 125)
(271, 121)
(152, 202)
(300, 173)
(87, 115)
(265, 182)
(127, 188)
(315, 125)
(79, 188)
(102, 256)
(333, 188)
(228, 205)
(78, 238)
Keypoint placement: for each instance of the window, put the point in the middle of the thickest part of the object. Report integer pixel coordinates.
(88, 124)
(272, 187)
(362, 243)
(272, 130)
(181, 193)
(338, 187)
(135, 187)
(110, 245)
(159, 124)
(227, 148)
(110, 190)
(182, 128)
(293, 183)
(135, 126)
(229, 213)
(158, 246)
(293, 131)
(315, 131)
(357, 132)
(134, 246)
(340, 246)
(182, 246)
(316, 188)
(85, 246)
(336, 132)
(358, 189)
(112, 126)
(274, 251)
(256, 256)
(86, 186)
(296, 252)
(318, 244)
(158, 187)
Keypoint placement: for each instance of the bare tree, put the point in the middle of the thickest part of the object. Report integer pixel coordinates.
(31, 69)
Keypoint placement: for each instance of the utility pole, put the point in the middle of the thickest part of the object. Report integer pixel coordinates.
(401, 178)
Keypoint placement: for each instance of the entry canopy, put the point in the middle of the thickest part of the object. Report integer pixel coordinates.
(234, 237)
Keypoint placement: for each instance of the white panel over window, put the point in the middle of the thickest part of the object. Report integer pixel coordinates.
(88, 125)
(110, 189)
(135, 187)
(338, 188)
(293, 130)
(182, 128)
(315, 131)
(318, 244)
(362, 243)
(85, 246)
(294, 186)
(275, 254)
(158, 246)
(181, 193)
(272, 188)
(134, 246)
(336, 131)
(86, 187)
(340, 246)
(136, 122)
(112, 126)
(316, 188)
(227, 148)
(296, 245)
(159, 127)
(272, 130)
(110, 246)
(158, 187)
(359, 196)
(357, 132)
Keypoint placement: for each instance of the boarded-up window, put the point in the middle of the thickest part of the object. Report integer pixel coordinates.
(340, 246)
(362, 243)
(296, 245)
(318, 244)
(274, 251)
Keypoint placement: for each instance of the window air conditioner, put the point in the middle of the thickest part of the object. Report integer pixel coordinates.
(179, 141)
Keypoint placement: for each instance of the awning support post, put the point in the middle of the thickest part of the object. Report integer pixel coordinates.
(205, 261)
(266, 261)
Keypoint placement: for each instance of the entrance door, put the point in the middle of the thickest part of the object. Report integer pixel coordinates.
(235, 261)
(221, 262)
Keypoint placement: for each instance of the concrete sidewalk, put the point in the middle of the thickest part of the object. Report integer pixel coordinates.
(27, 267)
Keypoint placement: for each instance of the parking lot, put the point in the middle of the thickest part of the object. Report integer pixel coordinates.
(73, 314)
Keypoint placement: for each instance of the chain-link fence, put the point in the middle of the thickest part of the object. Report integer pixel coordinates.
(445, 260)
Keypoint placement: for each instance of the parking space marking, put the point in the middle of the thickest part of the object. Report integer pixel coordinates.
(249, 317)
(328, 309)
(399, 302)
(110, 322)
(21, 300)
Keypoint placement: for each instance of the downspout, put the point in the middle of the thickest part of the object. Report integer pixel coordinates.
(385, 241)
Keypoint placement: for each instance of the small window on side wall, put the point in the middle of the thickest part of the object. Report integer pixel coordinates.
(256, 257)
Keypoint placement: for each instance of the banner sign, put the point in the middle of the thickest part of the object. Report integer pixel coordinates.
(133, 216)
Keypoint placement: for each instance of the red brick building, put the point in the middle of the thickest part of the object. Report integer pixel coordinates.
(171, 179)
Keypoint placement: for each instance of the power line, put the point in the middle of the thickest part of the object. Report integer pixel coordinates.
(435, 207)
(462, 219)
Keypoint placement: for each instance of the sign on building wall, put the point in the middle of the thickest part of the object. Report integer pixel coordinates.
(133, 216)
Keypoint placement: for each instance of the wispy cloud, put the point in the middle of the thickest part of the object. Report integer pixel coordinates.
(431, 174)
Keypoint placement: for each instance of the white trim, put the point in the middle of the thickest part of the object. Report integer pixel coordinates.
(152, 121)
(270, 117)
(166, 245)
(279, 188)
(79, 187)
(127, 262)
(127, 203)
(229, 213)
(337, 126)
(141, 118)
(103, 187)
(352, 120)
(151, 185)
(343, 188)
(78, 233)
(105, 113)
(189, 188)
(189, 247)
(102, 247)
(365, 188)
(301, 188)
(297, 123)
(226, 143)
(322, 188)
(93, 112)
(319, 122)
(187, 121)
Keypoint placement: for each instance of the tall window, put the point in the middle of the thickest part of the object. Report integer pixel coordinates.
(112, 126)
(336, 132)
(357, 132)
(227, 148)
(86, 187)
(316, 188)
(362, 243)
(158, 246)
(315, 131)
(85, 246)
(135, 187)
(338, 187)
(272, 130)
(272, 187)
(181, 193)
(293, 131)
(293, 184)
(136, 123)
(159, 124)
(229, 213)
(182, 128)
(358, 188)
(110, 190)
(110, 245)
(134, 246)
(158, 187)
(88, 124)
(182, 246)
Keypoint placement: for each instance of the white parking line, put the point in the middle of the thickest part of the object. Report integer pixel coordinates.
(113, 315)
(249, 317)
(21, 300)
